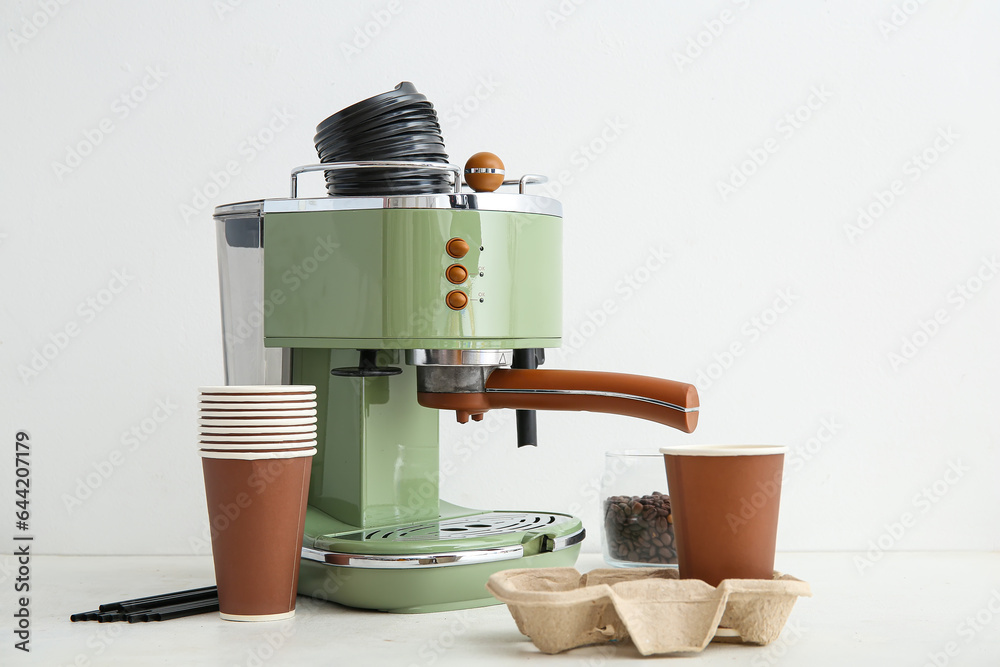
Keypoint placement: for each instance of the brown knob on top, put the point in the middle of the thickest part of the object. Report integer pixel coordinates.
(484, 172)
(457, 299)
(456, 273)
(457, 248)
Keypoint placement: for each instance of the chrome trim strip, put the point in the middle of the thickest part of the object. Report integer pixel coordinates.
(584, 392)
(443, 559)
(503, 202)
(565, 542)
(240, 208)
(420, 357)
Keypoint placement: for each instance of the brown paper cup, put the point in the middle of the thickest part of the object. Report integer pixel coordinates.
(257, 511)
(252, 414)
(254, 422)
(260, 399)
(257, 389)
(257, 437)
(211, 409)
(724, 500)
(269, 446)
(255, 430)
(283, 447)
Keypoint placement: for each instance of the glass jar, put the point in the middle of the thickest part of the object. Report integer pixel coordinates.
(637, 528)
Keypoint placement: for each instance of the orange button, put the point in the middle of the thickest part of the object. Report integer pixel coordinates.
(456, 273)
(456, 300)
(457, 248)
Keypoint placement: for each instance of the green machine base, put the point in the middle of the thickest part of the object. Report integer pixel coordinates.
(416, 591)
(430, 566)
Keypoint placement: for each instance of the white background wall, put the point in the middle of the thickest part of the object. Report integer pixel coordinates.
(600, 94)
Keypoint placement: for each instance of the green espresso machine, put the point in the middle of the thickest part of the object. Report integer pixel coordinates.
(396, 308)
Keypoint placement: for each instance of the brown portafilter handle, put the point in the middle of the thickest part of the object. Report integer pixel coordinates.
(663, 401)
(666, 402)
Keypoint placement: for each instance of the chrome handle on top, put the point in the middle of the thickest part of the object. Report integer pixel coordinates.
(527, 179)
(456, 172)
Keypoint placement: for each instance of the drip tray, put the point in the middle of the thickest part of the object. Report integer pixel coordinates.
(476, 538)
(493, 523)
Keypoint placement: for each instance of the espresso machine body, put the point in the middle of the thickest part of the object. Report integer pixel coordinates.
(376, 300)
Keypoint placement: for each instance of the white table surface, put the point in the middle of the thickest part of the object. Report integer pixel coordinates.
(906, 609)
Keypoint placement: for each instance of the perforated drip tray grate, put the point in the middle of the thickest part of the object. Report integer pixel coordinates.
(480, 525)
(454, 541)
(488, 524)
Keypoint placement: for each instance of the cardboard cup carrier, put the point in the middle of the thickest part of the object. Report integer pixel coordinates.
(560, 609)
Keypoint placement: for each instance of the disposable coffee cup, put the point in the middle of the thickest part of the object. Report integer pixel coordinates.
(264, 445)
(279, 438)
(256, 421)
(250, 429)
(232, 446)
(257, 510)
(258, 450)
(256, 407)
(724, 500)
(251, 414)
(258, 389)
(257, 437)
(254, 451)
(211, 399)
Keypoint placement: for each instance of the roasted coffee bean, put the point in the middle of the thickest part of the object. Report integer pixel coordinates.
(640, 529)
